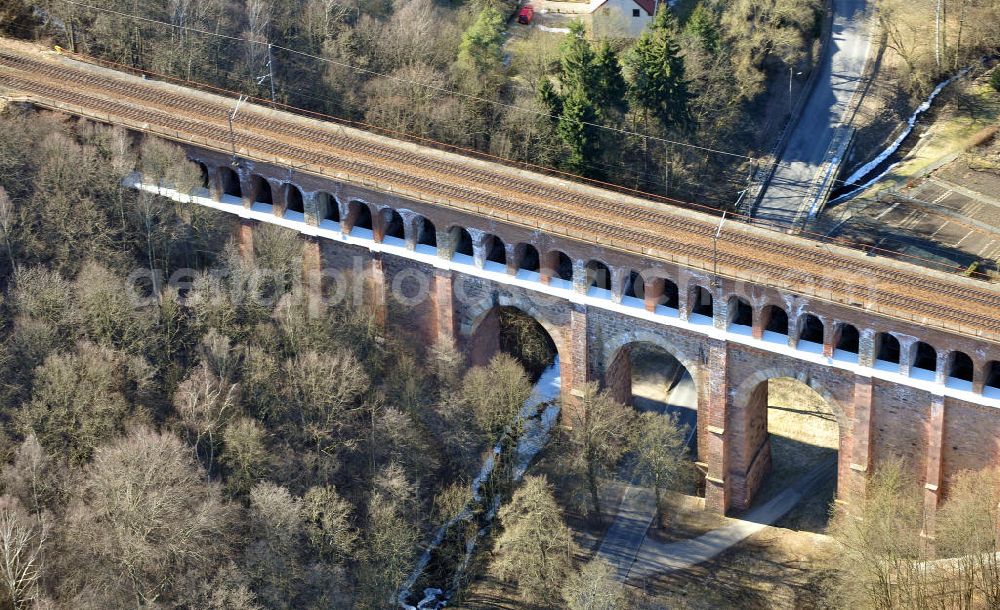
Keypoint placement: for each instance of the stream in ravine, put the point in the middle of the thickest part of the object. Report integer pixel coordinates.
(441, 570)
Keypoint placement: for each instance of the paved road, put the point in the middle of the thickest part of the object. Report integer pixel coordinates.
(790, 191)
(655, 557)
(634, 555)
(638, 506)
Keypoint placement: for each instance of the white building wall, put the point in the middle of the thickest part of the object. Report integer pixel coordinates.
(615, 17)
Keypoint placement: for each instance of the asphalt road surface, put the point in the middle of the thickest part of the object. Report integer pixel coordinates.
(788, 196)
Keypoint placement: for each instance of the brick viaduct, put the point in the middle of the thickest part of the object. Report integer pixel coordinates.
(897, 389)
(909, 379)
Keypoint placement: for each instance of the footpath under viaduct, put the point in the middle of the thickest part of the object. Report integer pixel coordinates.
(907, 358)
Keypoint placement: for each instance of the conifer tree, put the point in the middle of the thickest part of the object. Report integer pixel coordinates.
(655, 69)
(576, 128)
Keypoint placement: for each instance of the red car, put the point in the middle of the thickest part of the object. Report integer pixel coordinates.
(526, 14)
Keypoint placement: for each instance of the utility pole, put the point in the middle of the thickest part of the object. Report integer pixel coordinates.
(232, 133)
(715, 253)
(270, 70)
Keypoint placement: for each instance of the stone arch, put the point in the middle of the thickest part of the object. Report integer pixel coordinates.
(774, 318)
(229, 182)
(527, 258)
(811, 328)
(635, 286)
(887, 348)
(471, 331)
(660, 290)
(462, 241)
(702, 301)
(426, 233)
(359, 216)
(206, 181)
(260, 190)
(294, 201)
(741, 393)
(494, 250)
(598, 275)
(612, 347)
(556, 264)
(750, 450)
(923, 357)
(740, 311)
(328, 208)
(960, 366)
(991, 375)
(392, 224)
(847, 338)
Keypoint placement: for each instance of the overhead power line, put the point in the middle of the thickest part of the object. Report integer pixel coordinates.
(398, 79)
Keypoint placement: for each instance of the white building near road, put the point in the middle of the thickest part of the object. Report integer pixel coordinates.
(607, 17)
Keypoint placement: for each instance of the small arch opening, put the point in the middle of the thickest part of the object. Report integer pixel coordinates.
(230, 183)
(203, 170)
(528, 259)
(961, 366)
(993, 375)
(924, 357)
(811, 329)
(598, 275)
(293, 199)
(426, 233)
(670, 297)
(775, 320)
(740, 312)
(849, 340)
(262, 191)
(560, 265)
(328, 207)
(887, 348)
(463, 241)
(362, 216)
(393, 225)
(635, 287)
(703, 302)
(496, 251)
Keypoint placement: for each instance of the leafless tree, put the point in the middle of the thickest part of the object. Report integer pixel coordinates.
(22, 540)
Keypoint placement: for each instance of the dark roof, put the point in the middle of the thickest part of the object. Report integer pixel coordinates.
(649, 5)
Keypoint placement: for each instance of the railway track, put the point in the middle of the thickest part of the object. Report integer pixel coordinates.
(604, 216)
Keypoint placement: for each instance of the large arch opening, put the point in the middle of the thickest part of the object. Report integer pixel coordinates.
(960, 367)
(649, 377)
(793, 441)
(509, 330)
